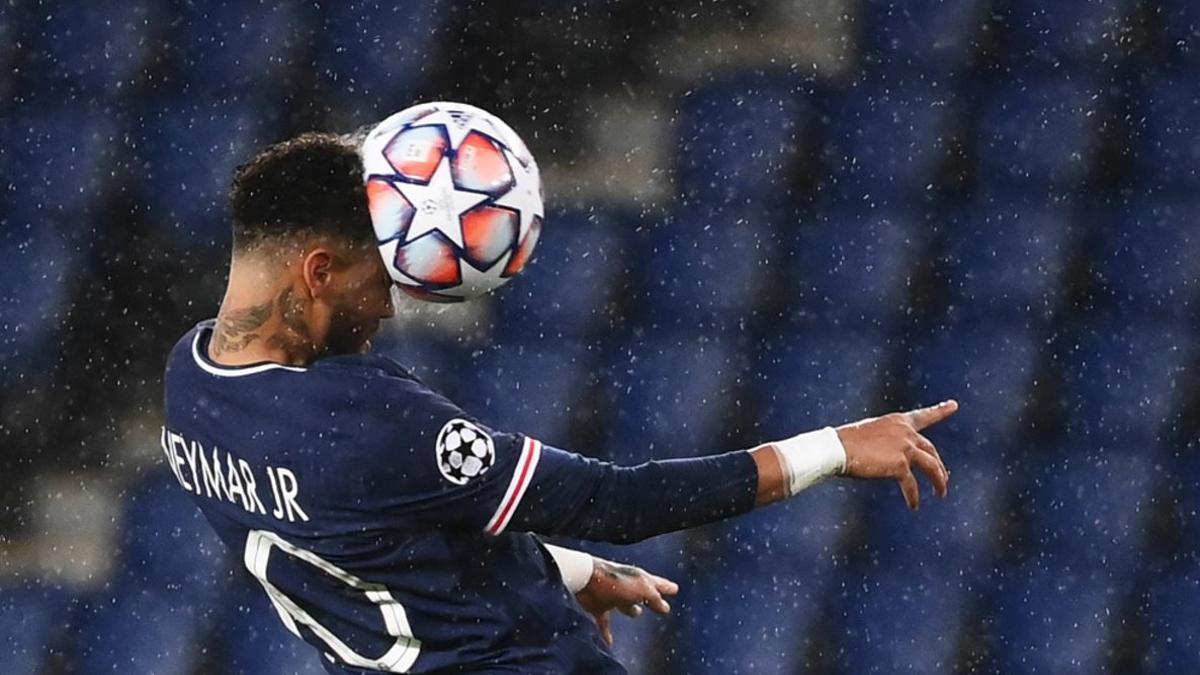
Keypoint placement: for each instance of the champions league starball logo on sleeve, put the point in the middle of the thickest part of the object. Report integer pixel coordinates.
(464, 451)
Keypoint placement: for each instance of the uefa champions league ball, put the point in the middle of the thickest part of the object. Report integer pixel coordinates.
(455, 198)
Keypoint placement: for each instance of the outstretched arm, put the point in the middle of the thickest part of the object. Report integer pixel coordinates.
(558, 492)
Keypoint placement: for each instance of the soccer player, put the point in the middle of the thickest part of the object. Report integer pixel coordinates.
(392, 530)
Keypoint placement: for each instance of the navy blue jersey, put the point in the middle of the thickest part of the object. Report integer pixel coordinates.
(391, 530)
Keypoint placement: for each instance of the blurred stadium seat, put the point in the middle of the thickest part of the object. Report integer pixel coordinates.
(1006, 261)
(1123, 383)
(739, 140)
(808, 378)
(696, 274)
(1050, 621)
(853, 267)
(36, 276)
(922, 36)
(437, 362)
(1039, 135)
(377, 57)
(1174, 644)
(952, 538)
(529, 388)
(990, 369)
(189, 149)
(239, 46)
(1166, 124)
(93, 50)
(58, 158)
(1084, 33)
(32, 616)
(887, 145)
(142, 631)
(1089, 512)
(1148, 261)
(1179, 34)
(566, 290)
(668, 397)
(755, 598)
(901, 621)
(154, 615)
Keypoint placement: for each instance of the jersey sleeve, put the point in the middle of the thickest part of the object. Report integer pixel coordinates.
(439, 466)
(445, 468)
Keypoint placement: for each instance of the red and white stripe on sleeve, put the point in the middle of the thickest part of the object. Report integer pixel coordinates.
(521, 478)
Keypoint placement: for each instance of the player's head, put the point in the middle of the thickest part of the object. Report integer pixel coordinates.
(300, 216)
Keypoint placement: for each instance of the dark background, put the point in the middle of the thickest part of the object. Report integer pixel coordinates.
(764, 217)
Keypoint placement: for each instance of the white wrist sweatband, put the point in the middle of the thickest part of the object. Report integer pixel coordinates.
(575, 566)
(811, 457)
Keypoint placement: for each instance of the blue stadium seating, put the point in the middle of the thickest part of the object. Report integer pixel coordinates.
(1149, 261)
(253, 641)
(32, 616)
(1123, 382)
(955, 537)
(1166, 117)
(1005, 261)
(566, 289)
(1089, 510)
(167, 543)
(1174, 645)
(156, 611)
(989, 369)
(190, 148)
(529, 388)
(809, 378)
(1050, 621)
(1085, 32)
(885, 144)
(739, 139)
(853, 267)
(435, 358)
(58, 158)
(139, 630)
(668, 397)
(36, 275)
(924, 36)
(238, 45)
(901, 621)
(707, 267)
(377, 56)
(1039, 135)
(94, 50)
(752, 602)
(1179, 32)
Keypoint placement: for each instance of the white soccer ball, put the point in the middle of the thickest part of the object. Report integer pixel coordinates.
(455, 197)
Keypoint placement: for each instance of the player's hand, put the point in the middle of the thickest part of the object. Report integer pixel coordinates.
(625, 588)
(892, 446)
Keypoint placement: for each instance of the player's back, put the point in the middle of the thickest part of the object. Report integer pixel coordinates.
(340, 487)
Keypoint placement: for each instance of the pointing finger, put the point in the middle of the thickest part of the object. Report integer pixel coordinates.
(926, 417)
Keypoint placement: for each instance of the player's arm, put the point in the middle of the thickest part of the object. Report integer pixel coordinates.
(557, 492)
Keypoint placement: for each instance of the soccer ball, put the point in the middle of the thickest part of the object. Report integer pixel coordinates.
(455, 198)
(464, 451)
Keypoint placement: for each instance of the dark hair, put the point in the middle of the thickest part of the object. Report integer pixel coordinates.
(311, 184)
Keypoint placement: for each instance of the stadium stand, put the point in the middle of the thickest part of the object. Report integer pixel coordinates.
(929, 219)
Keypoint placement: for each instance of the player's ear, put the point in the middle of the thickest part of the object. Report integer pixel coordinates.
(317, 270)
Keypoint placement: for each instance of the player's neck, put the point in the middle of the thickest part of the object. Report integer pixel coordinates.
(260, 320)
